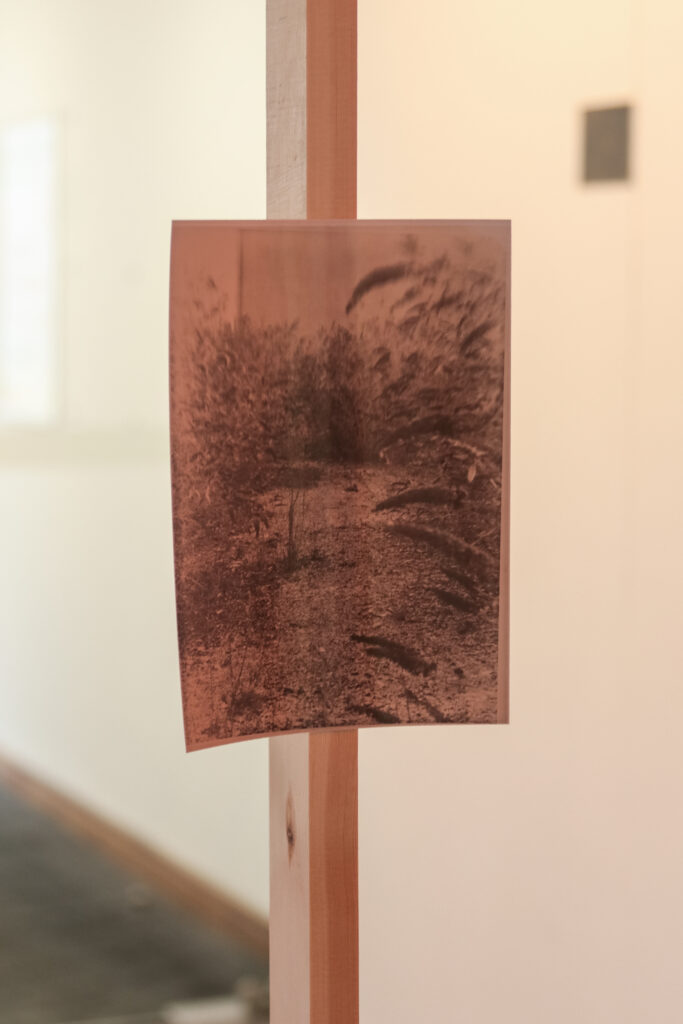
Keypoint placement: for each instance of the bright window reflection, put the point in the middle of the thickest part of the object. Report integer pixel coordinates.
(29, 172)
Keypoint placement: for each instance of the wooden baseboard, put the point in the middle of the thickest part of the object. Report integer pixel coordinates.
(207, 903)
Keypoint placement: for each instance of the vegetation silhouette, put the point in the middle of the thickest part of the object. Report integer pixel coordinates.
(309, 455)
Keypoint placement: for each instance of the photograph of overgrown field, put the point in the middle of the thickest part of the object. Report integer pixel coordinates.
(338, 415)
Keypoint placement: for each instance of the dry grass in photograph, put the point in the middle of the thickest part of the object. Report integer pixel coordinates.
(338, 476)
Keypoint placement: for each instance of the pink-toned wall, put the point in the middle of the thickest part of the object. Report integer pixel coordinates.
(533, 873)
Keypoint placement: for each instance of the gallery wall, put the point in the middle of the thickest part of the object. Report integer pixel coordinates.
(524, 873)
(161, 107)
(532, 872)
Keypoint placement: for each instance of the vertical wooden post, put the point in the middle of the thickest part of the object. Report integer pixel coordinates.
(311, 166)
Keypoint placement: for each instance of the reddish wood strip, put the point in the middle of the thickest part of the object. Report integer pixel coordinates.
(333, 756)
(333, 808)
(331, 98)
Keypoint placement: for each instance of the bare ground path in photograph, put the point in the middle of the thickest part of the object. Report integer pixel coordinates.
(370, 586)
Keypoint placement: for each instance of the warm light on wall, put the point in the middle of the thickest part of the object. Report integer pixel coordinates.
(29, 272)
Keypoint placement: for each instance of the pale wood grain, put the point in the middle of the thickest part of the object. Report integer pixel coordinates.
(286, 108)
(290, 980)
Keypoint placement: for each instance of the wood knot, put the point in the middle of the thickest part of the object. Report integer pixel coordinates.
(290, 827)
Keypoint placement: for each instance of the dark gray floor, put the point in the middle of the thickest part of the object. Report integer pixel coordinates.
(81, 940)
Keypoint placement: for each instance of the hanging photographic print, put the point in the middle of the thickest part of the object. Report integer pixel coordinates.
(339, 417)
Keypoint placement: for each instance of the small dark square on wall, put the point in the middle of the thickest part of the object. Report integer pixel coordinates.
(606, 144)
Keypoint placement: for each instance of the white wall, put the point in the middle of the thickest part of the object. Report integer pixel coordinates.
(521, 873)
(162, 106)
(532, 872)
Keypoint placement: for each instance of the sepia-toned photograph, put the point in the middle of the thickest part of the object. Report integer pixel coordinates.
(339, 423)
